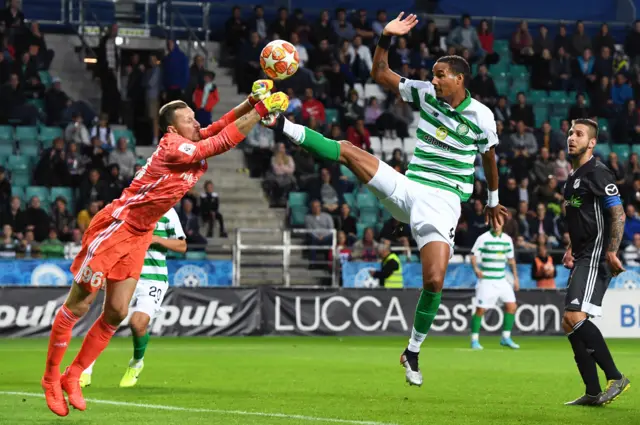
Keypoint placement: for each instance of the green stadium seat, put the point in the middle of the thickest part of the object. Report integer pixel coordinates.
(559, 97)
(45, 78)
(501, 46)
(520, 86)
(603, 124)
(38, 103)
(40, 191)
(331, 115)
(30, 148)
(350, 199)
(26, 132)
(298, 199)
(500, 69)
(537, 97)
(126, 133)
(635, 149)
(603, 149)
(296, 219)
(17, 191)
(555, 122)
(519, 72)
(502, 86)
(367, 202)
(541, 116)
(65, 192)
(360, 228)
(196, 255)
(6, 148)
(623, 152)
(560, 109)
(386, 215)
(348, 174)
(6, 133)
(49, 133)
(474, 69)
(21, 178)
(370, 219)
(18, 162)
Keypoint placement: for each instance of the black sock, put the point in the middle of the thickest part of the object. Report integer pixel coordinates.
(594, 341)
(586, 365)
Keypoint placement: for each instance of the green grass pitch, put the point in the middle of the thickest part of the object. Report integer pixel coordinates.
(287, 381)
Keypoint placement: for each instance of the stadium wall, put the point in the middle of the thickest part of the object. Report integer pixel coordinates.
(28, 311)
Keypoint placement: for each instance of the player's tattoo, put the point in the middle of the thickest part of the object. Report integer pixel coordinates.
(246, 122)
(382, 65)
(617, 227)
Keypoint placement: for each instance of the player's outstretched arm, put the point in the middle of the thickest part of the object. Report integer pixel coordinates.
(380, 72)
(175, 245)
(260, 90)
(494, 212)
(189, 152)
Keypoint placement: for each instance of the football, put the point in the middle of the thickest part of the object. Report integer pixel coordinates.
(279, 60)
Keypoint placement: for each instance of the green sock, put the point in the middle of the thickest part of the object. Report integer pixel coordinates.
(316, 143)
(140, 346)
(509, 320)
(476, 323)
(426, 310)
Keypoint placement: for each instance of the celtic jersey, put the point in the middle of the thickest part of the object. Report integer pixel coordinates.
(155, 260)
(493, 252)
(448, 138)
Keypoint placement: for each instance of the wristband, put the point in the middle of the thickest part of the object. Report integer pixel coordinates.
(251, 100)
(384, 42)
(261, 109)
(493, 198)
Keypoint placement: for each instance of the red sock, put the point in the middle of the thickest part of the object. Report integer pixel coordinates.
(59, 341)
(94, 343)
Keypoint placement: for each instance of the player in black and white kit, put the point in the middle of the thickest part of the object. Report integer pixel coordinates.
(595, 220)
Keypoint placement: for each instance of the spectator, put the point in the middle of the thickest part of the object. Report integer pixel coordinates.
(56, 102)
(312, 107)
(562, 168)
(579, 109)
(321, 87)
(484, 86)
(397, 161)
(124, 158)
(633, 169)
(235, 30)
(258, 149)
(5, 69)
(205, 98)
(604, 63)
(561, 70)
(522, 111)
(616, 168)
(14, 106)
(542, 41)
(363, 27)
(603, 39)
(343, 250)
(632, 43)
(343, 28)
(366, 249)
(359, 136)
(562, 40)
(548, 192)
(396, 233)
(36, 38)
(580, 41)
(191, 225)
(196, 72)
(524, 143)
(361, 61)
(72, 248)
(9, 244)
(175, 71)
(152, 83)
(36, 219)
(210, 209)
(114, 184)
(328, 193)
(380, 22)
(422, 59)
(102, 131)
(502, 112)
(347, 224)
(337, 81)
(521, 44)
(86, 215)
(300, 25)
(76, 164)
(541, 72)
(28, 247)
(303, 55)
(14, 216)
(510, 195)
(91, 190)
(621, 91)
(522, 218)
(320, 224)
(401, 117)
(542, 223)
(551, 139)
(109, 66)
(5, 190)
(466, 37)
(34, 89)
(601, 98)
(280, 181)
(586, 77)
(632, 224)
(323, 31)
(281, 28)
(97, 155)
(476, 221)
(627, 125)
(26, 68)
(52, 247)
(258, 23)
(542, 270)
(351, 110)
(61, 219)
(485, 36)
(372, 112)
(523, 190)
(76, 131)
(132, 92)
(13, 17)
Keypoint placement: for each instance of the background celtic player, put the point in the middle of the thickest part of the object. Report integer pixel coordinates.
(453, 129)
(150, 291)
(494, 249)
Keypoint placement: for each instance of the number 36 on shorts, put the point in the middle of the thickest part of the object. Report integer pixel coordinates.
(95, 279)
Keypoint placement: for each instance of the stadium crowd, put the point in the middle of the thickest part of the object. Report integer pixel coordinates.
(535, 83)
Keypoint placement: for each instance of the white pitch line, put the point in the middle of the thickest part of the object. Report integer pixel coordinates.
(215, 411)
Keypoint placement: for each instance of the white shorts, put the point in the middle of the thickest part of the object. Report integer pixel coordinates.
(432, 213)
(148, 297)
(491, 291)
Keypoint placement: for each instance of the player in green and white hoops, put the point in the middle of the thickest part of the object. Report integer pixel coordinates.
(150, 291)
(453, 129)
(494, 249)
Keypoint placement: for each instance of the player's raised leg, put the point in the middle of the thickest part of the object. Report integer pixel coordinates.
(76, 305)
(139, 324)
(116, 308)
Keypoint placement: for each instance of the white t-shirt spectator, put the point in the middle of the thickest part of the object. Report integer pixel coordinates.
(104, 134)
(71, 249)
(303, 55)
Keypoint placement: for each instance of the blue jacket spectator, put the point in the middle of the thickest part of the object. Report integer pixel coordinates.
(586, 63)
(632, 225)
(176, 68)
(621, 92)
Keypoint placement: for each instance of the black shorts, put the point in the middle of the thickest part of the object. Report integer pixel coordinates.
(586, 289)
